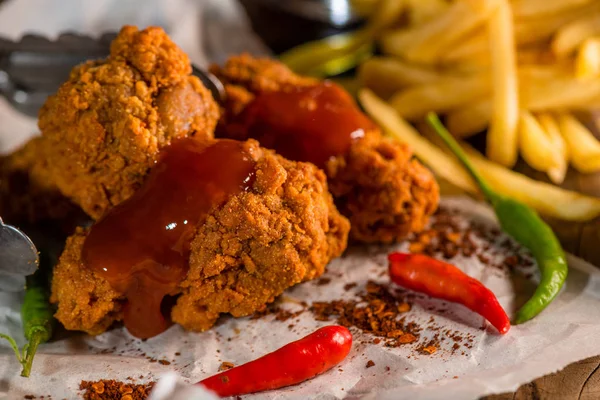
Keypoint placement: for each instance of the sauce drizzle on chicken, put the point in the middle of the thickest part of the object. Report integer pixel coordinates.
(312, 123)
(141, 246)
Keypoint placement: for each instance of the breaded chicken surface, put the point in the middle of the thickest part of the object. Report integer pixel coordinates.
(383, 191)
(105, 126)
(281, 232)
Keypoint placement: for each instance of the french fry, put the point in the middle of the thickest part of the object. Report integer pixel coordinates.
(421, 11)
(425, 43)
(400, 41)
(587, 63)
(547, 199)
(539, 150)
(538, 8)
(584, 148)
(552, 130)
(534, 30)
(474, 46)
(417, 101)
(502, 134)
(386, 13)
(535, 55)
(469, 119)
(570, 36)
(539, 93)
(385, 75)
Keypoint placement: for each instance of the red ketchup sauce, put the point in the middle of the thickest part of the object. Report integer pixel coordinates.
(141, 247)
(311, 124)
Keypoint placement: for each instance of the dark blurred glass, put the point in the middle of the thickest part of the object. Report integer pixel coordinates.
(283, 24)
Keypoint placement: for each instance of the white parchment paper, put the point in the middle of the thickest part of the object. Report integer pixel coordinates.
(569, 330)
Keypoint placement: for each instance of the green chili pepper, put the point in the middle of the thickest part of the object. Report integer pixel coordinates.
(526, 227)
(331, 56)
(38, 320)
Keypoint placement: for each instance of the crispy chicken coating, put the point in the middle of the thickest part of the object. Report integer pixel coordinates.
(85, 302)
(377, 185)
(105, 126)
(281, 232)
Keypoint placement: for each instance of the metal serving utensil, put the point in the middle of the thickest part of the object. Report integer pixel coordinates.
(34, 67)
(18, 258)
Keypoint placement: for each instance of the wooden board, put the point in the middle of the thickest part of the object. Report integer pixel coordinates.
(579, 381)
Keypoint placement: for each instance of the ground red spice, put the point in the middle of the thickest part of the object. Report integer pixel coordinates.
(448, 237)
(377, 313)
(370, 364)
(108, 389)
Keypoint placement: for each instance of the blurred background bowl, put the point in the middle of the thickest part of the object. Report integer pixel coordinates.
(283, 24)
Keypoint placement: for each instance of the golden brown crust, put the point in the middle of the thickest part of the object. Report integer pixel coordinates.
(260, 243)
(377, 185)
(282, 232)
(104, 127)
(85, 302)
(384, 192)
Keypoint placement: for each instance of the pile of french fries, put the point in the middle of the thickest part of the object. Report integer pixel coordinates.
(525, 71)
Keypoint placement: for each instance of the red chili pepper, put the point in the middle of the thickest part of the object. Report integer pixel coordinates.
(294, 363)
(444, 281)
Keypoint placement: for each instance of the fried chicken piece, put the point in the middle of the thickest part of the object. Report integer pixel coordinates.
(281, 232)
(376, 184)
(104, 128)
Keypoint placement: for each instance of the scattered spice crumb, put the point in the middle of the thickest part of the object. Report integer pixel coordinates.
(164, 362)
(323, 281)
(406, 338)
(429, 349)
(280, 314)
(376, 313)
(370, 364)
(448, 236)
(108, 389)
(349, 286)
(225, 365)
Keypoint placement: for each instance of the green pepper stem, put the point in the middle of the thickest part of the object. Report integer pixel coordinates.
(14, 346)
(447, 137)
(34, 341)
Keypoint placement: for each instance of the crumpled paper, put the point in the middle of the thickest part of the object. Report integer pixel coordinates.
(566, 332)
